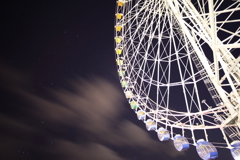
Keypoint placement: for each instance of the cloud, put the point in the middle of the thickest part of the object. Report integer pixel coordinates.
(91, 118)
(92, 151)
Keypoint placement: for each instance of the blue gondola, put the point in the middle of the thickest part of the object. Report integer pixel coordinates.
(235, 151)
(163, 134)
(151, 125)
(180, 143)
(141, 115)
(206, 150)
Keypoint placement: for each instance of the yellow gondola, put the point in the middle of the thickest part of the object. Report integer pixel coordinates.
(120, 3)
(118, 28)
(118, 50)
(119, 15)
(118, 39)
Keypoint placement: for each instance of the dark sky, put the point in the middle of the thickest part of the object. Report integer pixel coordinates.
(60, 94)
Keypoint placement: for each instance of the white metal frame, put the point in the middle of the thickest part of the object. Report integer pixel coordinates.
(162, 38)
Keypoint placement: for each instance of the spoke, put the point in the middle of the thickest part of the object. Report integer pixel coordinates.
(171, 50)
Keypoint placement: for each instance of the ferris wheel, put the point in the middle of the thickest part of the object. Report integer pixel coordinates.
(179, 67)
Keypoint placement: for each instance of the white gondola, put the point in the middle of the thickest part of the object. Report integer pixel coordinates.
(129, 94)
(206, 150)
(119, 61)
(124, 84)
(180, 143)
(163, 134)
(151, 125)
(141, 115)
(235, 151)
(121, 73)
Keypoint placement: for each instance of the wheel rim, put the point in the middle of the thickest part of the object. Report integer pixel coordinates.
(161, 64)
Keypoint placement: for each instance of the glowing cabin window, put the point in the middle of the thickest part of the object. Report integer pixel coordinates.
(150, 123)
(141, 113)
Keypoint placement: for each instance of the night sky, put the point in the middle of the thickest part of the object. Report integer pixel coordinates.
(60, 93)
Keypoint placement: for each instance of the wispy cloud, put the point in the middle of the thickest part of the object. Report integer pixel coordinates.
(94, 111)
